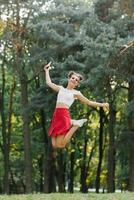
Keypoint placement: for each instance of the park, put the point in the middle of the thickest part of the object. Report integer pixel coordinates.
(86, 49)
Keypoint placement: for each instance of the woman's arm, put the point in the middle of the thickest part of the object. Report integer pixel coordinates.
(85, 100)
(48, 79)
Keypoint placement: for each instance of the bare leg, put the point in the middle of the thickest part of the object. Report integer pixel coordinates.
(54, 144)
(62, 140)
(54, 141)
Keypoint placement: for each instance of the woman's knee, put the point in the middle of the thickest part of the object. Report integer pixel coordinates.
(61, 143)
(54, 143)
(61, 146)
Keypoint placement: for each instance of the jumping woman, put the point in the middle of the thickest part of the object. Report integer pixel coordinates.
(62, 126)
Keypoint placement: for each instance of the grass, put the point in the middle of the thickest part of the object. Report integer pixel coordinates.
(66, 196)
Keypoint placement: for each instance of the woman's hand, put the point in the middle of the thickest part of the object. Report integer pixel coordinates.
(105, 105)
(47, 67)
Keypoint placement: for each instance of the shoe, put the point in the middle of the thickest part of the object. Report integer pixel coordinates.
(79, 122)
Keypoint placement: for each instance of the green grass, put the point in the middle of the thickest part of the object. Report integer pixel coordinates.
(75, 196)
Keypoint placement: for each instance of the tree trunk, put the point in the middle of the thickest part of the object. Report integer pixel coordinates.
(61, 171)
(131, 131)
(46, 163)
(85, 169)
(13, 185)
(19, 66)
(71, 174)
(49, 170)
(100, 149)
(111, 151)
(84, 188)
(5, 147)
(40, 164)
(26, 132)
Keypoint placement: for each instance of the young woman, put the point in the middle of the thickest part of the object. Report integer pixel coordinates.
(62, 126)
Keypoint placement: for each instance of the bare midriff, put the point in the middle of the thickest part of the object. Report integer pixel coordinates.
(61, 105)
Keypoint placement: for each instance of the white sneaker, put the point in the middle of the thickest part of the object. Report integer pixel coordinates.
(79, 122)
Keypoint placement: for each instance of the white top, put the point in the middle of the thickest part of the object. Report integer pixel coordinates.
(67, 96)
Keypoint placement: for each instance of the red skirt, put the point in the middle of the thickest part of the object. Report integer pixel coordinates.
(60, 123)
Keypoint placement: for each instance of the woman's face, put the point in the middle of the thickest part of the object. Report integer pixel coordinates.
(74, 80)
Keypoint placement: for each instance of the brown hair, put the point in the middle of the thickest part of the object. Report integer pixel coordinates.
(81, 78)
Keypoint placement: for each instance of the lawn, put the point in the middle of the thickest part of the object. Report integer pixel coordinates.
(75, 196)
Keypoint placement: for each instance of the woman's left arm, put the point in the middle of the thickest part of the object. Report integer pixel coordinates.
(85, 100)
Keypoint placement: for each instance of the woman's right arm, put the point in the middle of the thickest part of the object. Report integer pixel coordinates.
(48, 79)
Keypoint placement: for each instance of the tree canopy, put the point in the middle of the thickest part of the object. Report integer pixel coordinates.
(94, 38)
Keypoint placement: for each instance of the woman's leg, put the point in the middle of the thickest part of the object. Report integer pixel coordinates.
(54, 141)
(54, 144)
(63, 140)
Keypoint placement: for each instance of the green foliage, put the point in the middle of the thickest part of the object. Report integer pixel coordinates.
(73, 37)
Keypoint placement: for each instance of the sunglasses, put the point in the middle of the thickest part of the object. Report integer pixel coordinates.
(76, 79)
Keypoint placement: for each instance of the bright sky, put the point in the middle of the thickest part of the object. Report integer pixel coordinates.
(24, 11)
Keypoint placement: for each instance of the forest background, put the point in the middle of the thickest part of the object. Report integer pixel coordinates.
(92, 37)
